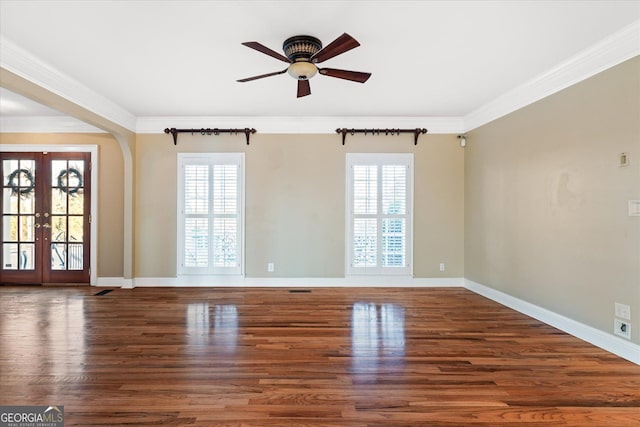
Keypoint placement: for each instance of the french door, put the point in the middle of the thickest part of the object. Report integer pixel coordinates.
(44, 236)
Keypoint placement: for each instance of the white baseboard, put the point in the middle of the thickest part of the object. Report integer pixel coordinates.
(308, 282)
(120, 282)
(609, 342)
(110, 281)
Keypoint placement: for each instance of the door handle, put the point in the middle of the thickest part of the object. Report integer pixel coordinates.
(46, 225)
(37, 225)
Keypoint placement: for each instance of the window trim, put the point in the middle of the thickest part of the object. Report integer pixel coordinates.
(378, 159)
(210, 159)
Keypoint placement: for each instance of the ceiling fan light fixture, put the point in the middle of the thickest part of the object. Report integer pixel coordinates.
(303, 52)
(302, 70)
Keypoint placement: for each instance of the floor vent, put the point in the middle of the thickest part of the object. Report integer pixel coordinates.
(299, 291)
(103, 292)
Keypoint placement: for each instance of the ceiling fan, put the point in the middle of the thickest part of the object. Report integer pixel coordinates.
(303, 53)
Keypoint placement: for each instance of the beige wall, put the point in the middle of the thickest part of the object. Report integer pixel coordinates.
(546, 200)
(295, 194)
(110, 188)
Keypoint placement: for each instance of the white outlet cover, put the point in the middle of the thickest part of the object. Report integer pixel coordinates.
(617, 328)
(634, 207)
(624, 159)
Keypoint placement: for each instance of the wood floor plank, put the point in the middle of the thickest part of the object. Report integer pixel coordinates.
(330, 357)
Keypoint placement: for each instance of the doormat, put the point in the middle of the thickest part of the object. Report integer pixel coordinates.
(104, 292)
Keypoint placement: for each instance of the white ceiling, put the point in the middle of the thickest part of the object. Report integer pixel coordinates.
(428, 59)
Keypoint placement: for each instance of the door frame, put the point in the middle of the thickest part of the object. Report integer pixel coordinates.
(93, 226)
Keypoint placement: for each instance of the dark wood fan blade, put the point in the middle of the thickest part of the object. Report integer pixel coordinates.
(262, 76)
(354, 76)
(340, 45)
(304, 88)
(262, 48)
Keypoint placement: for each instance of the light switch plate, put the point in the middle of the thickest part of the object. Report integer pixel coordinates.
(622, 311)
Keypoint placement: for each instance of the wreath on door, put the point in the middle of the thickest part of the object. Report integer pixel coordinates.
(14, 178)
(68, 174)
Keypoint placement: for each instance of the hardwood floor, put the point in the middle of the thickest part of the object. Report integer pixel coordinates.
(331, 357)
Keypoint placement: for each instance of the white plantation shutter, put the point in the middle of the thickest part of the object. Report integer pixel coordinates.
(379, 209)
(196, 242)
(196, 209)
(210, 213)
(225, 210)
(365, 207)
(394, 215)
(365, 189)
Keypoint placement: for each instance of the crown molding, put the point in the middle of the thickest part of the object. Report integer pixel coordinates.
(45, 124)
(301, 125)
(613, 50)
(24, 64)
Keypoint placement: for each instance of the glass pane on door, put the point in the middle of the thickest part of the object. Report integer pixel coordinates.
(67, 220)
(18, 214)
(9, 256)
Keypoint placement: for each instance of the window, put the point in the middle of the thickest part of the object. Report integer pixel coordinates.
(210, 213)
(379, 213)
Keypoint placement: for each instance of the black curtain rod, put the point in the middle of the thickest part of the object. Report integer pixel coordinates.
(416, 132)
(208, 131)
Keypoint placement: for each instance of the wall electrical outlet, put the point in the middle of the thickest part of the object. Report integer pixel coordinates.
(623, 311)
(270, 267)
(442, 266)
(624, 159)
(622, 328)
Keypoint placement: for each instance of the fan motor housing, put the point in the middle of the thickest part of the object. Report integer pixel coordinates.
(301, 48)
